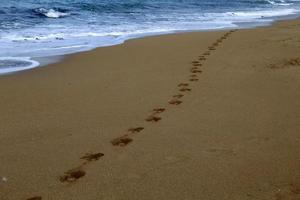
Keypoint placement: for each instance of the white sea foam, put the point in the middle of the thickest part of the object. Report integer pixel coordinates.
(13, 64)
(51, 13)
(279, 3)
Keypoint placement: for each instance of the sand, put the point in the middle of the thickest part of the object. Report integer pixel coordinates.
(164, 117)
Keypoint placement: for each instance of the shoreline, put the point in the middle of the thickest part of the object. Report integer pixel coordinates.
(53, 59)
(200, 115)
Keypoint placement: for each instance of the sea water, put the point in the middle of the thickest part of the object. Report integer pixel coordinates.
(41, 28)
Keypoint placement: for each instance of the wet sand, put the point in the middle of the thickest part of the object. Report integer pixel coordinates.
(204, 115)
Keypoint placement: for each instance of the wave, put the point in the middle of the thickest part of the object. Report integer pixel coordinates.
(13, 64)
(51, 13)
(279, 3)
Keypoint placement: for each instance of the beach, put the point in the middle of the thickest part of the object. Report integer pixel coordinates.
(201, 115)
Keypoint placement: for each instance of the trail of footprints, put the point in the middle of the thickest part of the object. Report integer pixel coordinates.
(72, 175)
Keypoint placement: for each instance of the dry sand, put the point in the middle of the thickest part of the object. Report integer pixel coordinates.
(233, 135)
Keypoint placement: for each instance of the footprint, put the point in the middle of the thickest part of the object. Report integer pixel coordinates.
(206, 53)
(196, 71)
(183, 85)
(197, 65)
(92, 156)
(135, 130)
(158, 110)
(178, 96)
(185, 89)
(72, 175)
(219, 40)
(121, 141)
(293, 62)
(153, 118)
(290, 191)
(193, 76)
(175, 102)
(202, 58)
(294, 188)
(195, 62)
(35, 198)
(194, 68)
(212, 48)
(194, 79)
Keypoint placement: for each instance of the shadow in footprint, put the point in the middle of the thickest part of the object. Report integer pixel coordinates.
(196, 71)
(92, 156)
(158, 110)
(136, 130)
(175, 102)
(184, 89)
(153, 118)
(193, 76)
(194, 79)
(178, 96)
(195, 62)
(35, 198)
(197, 65)
(183, 85)
(121, 141)
(72, 175)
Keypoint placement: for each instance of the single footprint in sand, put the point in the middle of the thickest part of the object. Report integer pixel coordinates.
(293, 62)
(197, 65)
(158, 110)
(175, 102)
(135, 130)
(194, 79)
(153, 118)
(288, 192)
(202, 58)
(72, 175)
(178, 96)
(183, 85)
(206, 53)
(121, 141)
(92, 156)
(194, 68)
(185, 89)
(35, 198)
(196, 71)
(212, 48)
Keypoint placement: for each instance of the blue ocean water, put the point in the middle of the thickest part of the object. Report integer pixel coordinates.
(39, 28)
